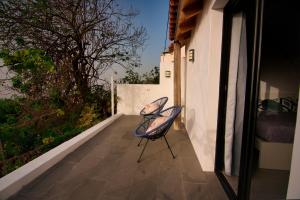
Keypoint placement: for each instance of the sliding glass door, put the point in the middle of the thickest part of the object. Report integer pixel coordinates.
(238, 96)
(234, 102)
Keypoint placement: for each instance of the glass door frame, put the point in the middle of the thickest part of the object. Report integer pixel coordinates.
(253, 12)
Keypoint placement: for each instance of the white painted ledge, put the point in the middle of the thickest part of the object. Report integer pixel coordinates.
(14, 181)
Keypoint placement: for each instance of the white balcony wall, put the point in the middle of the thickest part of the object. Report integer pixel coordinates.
(133, 97)
(202, 84)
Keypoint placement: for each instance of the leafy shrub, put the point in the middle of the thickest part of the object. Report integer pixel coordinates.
(48, 113)
(36, 105)
(9, 110)
(87, 116)
(60, 112)
(48, 140)
(22, 141)
(62, 138)
(16, 141)
(55, 98)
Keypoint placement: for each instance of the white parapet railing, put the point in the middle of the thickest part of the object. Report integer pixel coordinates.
(14, 181)
(133, 97)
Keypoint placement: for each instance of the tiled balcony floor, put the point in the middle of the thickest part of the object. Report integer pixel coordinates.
(105, 168)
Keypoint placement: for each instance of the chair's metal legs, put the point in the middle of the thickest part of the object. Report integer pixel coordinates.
(140, 142)
(169, 147)
(143, 151)
(146, 146)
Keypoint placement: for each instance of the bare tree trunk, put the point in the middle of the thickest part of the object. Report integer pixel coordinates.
(81, 81)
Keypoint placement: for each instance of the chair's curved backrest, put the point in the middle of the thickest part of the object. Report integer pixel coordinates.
(161, 102)
(171, 114)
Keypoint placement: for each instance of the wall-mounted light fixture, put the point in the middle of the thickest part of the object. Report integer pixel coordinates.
(191, 55)
(168, 74)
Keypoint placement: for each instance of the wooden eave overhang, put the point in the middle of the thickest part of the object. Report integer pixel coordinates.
(182, 18)
(173, 9)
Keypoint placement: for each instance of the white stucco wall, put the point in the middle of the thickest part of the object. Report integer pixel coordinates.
(167, 64)
(133, 97)
(202, 85)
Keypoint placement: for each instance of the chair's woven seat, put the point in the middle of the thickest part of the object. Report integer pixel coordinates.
(159, 131)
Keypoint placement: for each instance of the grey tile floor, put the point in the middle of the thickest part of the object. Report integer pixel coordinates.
(269, 184)
(105, 168)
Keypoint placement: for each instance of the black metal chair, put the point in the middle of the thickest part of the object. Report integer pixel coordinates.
(143, 131)
(161, 102)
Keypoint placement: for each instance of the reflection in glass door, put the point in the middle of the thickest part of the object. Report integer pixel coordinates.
(279, 86)
(238, 96)
(235, 101)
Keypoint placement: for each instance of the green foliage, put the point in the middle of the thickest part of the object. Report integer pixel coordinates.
(152, 77)
(26, 137)
(83, 38)
(20, 41)
(87, 116)
(17, 81)
(55, 98)
(56, 80)
(101, 100)
(27, 117)
(22, 141)
(17, 140)
(48, 140)
(60, 112)
(57, 140)
(9, 110)
(27, 59)
(133, 77)
(36, 105)
(32, 67)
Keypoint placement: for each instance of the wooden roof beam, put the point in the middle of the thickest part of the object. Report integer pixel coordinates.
(183, 35)
(174, 2)
(192, 9)
(187, 24)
